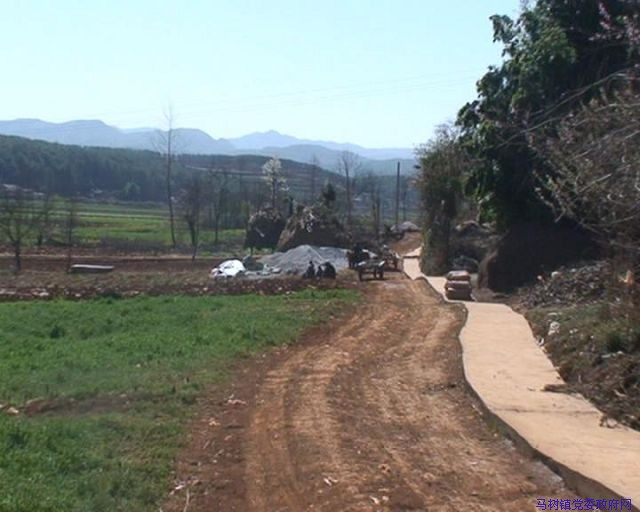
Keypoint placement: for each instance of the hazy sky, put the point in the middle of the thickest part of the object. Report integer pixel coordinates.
(377, 72)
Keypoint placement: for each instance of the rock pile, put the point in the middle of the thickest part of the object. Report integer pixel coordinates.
(578, 284)
(295, 261)
(313, 225)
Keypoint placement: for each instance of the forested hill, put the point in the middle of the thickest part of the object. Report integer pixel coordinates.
(127, 174)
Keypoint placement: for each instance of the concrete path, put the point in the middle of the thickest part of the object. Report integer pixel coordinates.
(508, 371)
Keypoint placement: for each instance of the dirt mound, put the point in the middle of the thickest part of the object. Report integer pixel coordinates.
(579, 284)
(313, 225)
(264, 229)
(529, 250)
(295, 261)
(200, 285)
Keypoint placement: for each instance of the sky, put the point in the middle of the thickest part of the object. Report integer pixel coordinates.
(379, 73)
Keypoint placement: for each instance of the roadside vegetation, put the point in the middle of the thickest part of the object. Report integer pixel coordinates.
(597, 354)
(548, 156)
(96, 394)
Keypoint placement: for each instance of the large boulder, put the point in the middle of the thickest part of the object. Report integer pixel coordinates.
(528, 250)
(313, 225)
(264, 228)
(404, 227)
(473, 240)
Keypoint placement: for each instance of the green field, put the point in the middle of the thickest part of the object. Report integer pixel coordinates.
(130, 226)
(123, 225)
(134, 369)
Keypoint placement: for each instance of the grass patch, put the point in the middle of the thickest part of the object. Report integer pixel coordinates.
(143, 363)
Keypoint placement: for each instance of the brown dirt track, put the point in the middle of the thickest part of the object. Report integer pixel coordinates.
(368, 413)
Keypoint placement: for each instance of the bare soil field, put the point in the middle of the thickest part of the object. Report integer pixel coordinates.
(44, 277)
(57, 261)
(368, 412)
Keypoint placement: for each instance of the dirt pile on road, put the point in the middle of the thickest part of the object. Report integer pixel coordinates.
(295, 261)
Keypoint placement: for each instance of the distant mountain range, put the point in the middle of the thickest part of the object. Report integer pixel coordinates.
(194, 141)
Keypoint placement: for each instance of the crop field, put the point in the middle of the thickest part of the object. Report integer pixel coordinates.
(132, 227)
(105, 388)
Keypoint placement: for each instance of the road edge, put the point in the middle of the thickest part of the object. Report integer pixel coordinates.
(582, 484)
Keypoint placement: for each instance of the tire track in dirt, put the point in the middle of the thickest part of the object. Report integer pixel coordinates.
(372, 414)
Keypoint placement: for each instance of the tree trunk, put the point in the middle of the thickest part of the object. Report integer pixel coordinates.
(398, 194)
(170, 198)
(69, 258)
(274, 193)
(348, 200)
(17, 256)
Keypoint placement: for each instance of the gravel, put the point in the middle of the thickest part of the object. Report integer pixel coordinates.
(296, 260)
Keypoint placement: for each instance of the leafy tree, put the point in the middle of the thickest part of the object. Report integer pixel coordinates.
(328, 195)
(443, 162)
(594, 153)
(555, 56)
(131, 191)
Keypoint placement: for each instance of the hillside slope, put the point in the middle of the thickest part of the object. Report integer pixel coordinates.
(96, 133)
(132, 174)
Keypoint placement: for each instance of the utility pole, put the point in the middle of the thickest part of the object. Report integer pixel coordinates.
(398, 194)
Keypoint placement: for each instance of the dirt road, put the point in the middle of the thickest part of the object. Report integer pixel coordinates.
(370, 414)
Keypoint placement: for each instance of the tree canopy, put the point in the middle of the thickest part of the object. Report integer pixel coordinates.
(557, 56)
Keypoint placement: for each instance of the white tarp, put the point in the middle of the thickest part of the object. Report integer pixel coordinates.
(229, 268)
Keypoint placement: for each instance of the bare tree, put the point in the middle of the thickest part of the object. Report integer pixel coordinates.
(217, 192)
(315, 165)
(166, 144)
(275, 180)
(45, 223)
(370, 185)
(69, 226)
(19, 217)
(349, 164)
(595, 162)
(191, 203)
